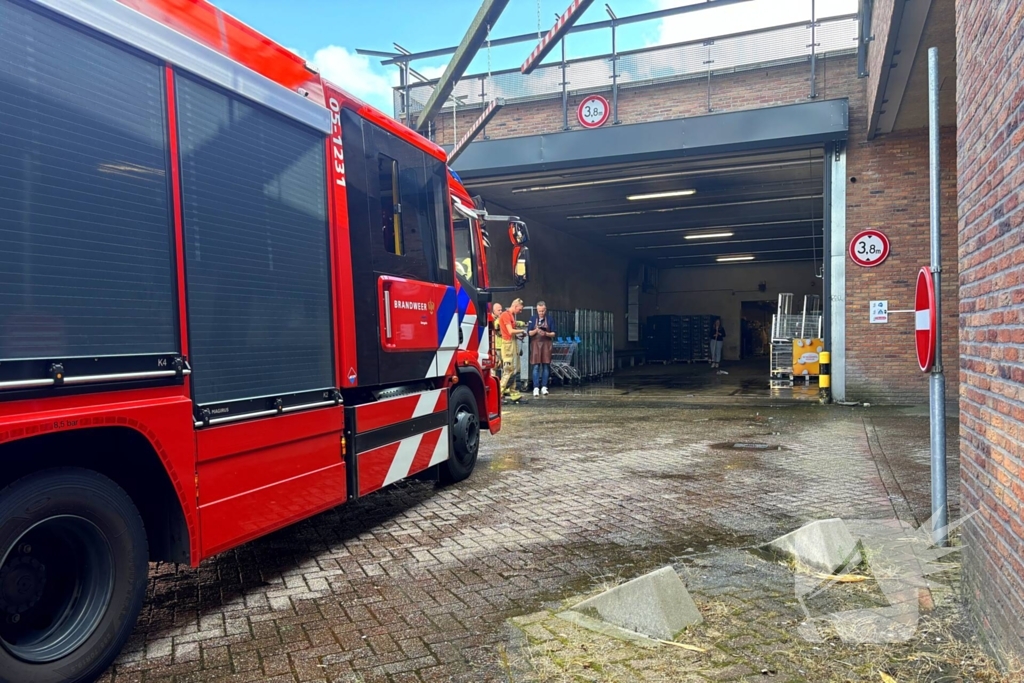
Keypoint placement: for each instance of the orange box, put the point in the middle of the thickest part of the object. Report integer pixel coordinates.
(806, 357)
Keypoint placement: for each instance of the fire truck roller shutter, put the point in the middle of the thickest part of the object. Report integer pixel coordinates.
(256, 248)
(86, 269)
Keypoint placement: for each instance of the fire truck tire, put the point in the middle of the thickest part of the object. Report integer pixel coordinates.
(465, 425)
(73, 570)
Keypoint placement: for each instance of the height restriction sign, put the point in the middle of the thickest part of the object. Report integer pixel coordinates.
(868, 248)
(924, 319)
(593, 111)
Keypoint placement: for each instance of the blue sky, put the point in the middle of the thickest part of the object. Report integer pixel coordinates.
(328, 32)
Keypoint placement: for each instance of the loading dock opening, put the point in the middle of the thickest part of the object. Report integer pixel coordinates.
(696, 215)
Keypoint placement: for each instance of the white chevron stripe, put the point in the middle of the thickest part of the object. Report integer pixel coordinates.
(427, 403)
(443, 360)
(441, 449)
(443, 357)
(403, 459)
(485, 346)
(468, 328)
(451, 335)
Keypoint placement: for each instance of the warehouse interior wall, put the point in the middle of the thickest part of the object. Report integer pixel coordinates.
(566, 272)
(721, 290)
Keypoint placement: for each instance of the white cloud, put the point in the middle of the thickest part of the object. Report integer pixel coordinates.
(743, 16)
(358, 75)
(432, 72)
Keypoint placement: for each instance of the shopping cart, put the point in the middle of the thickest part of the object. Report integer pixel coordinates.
(562, 353)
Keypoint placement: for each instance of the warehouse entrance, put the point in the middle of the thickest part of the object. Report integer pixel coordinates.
(672, 239)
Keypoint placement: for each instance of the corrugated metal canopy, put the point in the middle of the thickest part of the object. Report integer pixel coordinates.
(758, 175)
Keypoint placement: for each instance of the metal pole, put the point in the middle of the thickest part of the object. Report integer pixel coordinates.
(814, 55)
(565, 91)
(483, 101)
(400, 103)
(615, 79)
(408, 104)
(937, 393)
(863, 37)
(709, 62)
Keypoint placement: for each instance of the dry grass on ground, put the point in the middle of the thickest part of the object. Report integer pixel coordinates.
(750, 633)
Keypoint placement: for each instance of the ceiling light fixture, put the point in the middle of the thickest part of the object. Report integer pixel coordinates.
(711, 227)
(708, 235)
(661, 195)
(726, 259)
(719, 205)
(651, 176)
(681, 245)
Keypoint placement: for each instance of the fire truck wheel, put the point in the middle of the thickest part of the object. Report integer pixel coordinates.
(73, 569)
(465, 436)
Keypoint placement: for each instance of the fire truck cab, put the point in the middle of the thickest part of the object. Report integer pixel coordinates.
(231, 296)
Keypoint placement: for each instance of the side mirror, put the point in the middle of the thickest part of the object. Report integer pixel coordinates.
(518, 233)
(520, 266)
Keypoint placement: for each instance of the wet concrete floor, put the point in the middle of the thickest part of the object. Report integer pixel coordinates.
(741, 380)
(416, 583)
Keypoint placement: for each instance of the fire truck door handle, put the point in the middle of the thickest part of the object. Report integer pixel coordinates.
(387, 312)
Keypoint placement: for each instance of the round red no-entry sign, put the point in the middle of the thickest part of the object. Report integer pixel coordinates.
(924, 319)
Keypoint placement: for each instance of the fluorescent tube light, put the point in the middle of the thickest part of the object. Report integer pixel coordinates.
(707, 235)
(661, 195)
(656, 176)
(688, 207)
(726, 259)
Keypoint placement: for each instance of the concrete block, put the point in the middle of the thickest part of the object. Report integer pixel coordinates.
(655, 605)
(826, 545)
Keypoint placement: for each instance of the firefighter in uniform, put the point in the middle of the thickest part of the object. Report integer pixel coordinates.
(496, 322)
(510, 350)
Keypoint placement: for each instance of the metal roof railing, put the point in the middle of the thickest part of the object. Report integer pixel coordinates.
(706, 58)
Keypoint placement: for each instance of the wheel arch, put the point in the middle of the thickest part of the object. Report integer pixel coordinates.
(472, 378)
(127, 457)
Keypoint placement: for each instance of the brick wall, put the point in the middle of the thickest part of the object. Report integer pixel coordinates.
(767, 87)
(891, 194)
(990, 146)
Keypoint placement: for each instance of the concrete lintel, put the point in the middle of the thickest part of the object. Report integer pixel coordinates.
(899, 66)
(485, 18)
(771, 127)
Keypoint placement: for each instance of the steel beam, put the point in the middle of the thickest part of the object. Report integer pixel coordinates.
(475, 128)
(804, 124)
(557, 32)
(525, 37)
(475, 36)
(898, 69)
(837, 270)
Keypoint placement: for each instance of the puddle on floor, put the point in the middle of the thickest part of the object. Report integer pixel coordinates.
(746, 446)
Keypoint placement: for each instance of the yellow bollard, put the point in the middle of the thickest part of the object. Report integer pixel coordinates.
(824, 378)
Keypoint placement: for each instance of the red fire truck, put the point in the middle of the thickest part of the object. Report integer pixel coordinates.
(231, 296)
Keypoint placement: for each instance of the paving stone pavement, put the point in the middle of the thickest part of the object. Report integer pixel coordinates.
(416, 583)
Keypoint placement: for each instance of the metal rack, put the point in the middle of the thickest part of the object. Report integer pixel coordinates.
(592, 337)
(787, 326)
(596, 353)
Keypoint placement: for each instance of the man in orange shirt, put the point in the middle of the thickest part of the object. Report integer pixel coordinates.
(510, 350)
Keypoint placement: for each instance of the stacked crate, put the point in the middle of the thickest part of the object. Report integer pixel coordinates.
(700, 337)
(666, 339)
(686, 345)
